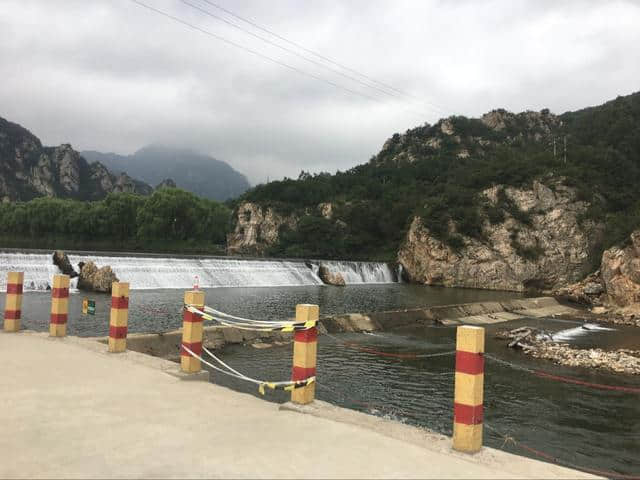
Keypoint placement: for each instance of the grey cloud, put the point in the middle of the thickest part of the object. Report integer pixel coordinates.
(112, 76)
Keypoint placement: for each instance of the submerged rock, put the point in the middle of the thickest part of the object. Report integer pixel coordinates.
(95, 279)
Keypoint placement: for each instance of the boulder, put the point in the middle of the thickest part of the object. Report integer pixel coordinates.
(331, 278)
(95, 279)
(61, 260)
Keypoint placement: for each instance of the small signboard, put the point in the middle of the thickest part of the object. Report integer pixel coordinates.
(88, 306)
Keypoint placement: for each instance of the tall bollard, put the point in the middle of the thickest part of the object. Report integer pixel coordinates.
(468, 396)
(118, 319)
(13, 302)
(191, 332)
(305, 349)
(59, 306)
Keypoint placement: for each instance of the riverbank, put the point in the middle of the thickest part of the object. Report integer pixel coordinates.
(81, 412)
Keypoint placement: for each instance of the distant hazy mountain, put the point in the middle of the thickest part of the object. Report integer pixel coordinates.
(200, 174)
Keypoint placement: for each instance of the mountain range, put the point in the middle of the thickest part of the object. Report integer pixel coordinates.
(200, 174)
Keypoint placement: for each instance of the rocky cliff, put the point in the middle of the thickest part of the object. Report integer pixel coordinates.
(539, 243)
(28, 169)
(257, 228)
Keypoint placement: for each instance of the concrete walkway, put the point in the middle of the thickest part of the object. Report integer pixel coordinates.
(69, 409)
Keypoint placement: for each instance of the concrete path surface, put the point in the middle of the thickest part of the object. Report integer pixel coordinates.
(69, 409)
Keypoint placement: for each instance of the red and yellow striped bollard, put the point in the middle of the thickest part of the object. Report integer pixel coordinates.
(59, 306)
(192, 332)
(305, 349)
(118, 319)
(469, 389)
(13, 302)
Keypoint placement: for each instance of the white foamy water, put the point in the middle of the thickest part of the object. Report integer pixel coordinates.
(355, 273)
(157, 272)
(571, 333)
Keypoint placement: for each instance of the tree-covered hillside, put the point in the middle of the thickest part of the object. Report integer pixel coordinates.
(438, 171)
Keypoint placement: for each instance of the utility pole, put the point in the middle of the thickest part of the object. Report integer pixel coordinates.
(554, 147)
(565, 149)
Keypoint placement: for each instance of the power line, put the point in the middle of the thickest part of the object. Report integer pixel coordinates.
(256, 53)
(288, 50)
(318, 55)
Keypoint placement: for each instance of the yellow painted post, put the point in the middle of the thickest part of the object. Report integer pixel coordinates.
(13, 302)
(469, 389)
(192, 332)
(305, 349)
(118, 320)
(59, 306)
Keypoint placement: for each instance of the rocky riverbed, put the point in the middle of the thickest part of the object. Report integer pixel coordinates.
(541, 344)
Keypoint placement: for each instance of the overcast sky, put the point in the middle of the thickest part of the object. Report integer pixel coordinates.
(111, 75)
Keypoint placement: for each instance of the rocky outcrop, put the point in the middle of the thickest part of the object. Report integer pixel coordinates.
(28, 170)
(548, 250)
(620, 269)
(331, 278)
(61, 260)
(95, 279)
(257, 228)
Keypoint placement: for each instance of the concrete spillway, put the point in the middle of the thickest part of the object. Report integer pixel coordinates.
(170, 272)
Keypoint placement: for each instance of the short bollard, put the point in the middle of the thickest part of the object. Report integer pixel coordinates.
(305, 349)
(119, 317)
(191, 332)
(59, 306)
(13, 302)
(469, 386)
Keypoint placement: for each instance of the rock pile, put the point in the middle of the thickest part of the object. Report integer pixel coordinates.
(540, 344)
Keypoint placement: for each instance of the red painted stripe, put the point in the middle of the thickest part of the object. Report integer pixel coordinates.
(301, 373)
(306, 336)
(12, 314)
(60, 292)
(59, 318)
(117, 332)
(467, 414)
(120, 302)
(194, 347)
(14, 288)
(191, 317)
(471, 363)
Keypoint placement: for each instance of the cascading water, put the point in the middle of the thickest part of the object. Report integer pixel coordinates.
(361, 272)
(156, 272)
(38, 269)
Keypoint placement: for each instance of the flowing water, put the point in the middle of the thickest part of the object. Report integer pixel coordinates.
(593, 428)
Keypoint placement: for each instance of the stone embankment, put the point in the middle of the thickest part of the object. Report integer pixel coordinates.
(167, 345)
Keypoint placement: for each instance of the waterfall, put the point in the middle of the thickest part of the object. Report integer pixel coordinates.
(146, 272)
(362, 272)
(38, 269)
(163, 272)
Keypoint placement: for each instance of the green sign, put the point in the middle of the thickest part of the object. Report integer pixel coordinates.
(91, 308)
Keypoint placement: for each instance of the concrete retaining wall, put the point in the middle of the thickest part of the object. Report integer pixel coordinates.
(167, 345)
